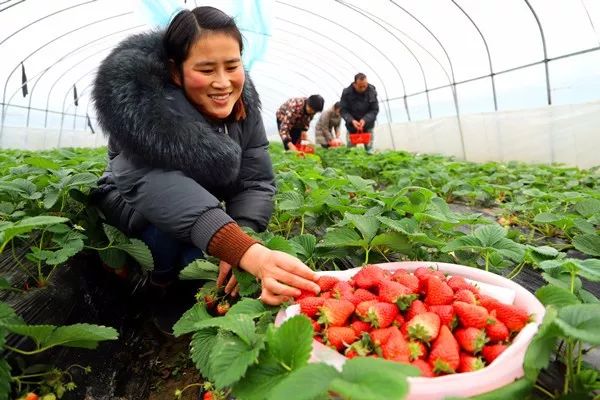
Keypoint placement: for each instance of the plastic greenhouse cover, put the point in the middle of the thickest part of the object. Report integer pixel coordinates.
(417, 49)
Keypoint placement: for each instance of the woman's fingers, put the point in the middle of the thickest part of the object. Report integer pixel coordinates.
(295, 266)
(279, 288)
(224, 269)
(293, 280)
(231, 284)
(272, 299)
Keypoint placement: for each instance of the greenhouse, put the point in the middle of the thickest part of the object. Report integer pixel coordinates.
(280, 199)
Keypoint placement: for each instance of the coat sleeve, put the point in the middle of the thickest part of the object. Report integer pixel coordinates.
(286, 123)
(252, 205)
(371, 115)
(345, 105)
(170, 200)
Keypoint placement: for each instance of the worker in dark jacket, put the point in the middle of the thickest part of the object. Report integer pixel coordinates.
(186, 136)
(360, 106)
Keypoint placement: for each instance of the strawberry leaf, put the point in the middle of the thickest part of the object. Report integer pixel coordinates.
(281, 244)
(588, 244)
(200, 269)
(186, 323)
(240, 324)
(201, 347)
(305, 383)
(10, 230)
(140, 252)
(247, 282)
(231, 357)
(8, 316)
(542, 345)
(291, 343)
(341, 237)
(251, 307)
(581, 322)
(84, 336)
(556, 296)
(260, 378)
(114, 235)
(5, 379)
(304, 245)
(368, 226)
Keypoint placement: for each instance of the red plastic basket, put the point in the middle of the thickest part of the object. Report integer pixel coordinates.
(360, 138)
(306, 149)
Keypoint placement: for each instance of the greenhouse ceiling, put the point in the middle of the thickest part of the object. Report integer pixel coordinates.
(428, 58)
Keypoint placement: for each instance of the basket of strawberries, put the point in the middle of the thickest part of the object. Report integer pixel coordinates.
(465, 329)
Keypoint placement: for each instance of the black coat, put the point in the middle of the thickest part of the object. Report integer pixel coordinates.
(359, 105)
(168, 164)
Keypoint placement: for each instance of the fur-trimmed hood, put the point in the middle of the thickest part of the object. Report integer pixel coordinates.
(147, 117)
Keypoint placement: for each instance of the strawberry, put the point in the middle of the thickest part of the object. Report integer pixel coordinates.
(362, 309)
(395, 348)
(343, 290)
(422, 272)
(327, 283)
(335, 312)
(398, 321)
(31, 396)
(491, 352)
(326, 295)
(208, 396)
(465, 296)
(396, 293)
(425, 368)
(495, 329)
(360, 348)
(424, 327)
(369, 276)
(340, 336)
(446, 314)
(513, 317)
(417, 350)
(305, 293)
(223, 307)
(360, 327)
(469, 363)
(438, 292)
(309, 306)
(316, 326)
(471, 315)
(471, 340)
(210, 299)
(350, 353)
(444, 354)
(416, 307)
(361, 295)
(457, 283)
(380, 336)
(381, 315)
(406, 279)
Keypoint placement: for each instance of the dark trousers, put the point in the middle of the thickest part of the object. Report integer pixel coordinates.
(170, 255)
(295, 134)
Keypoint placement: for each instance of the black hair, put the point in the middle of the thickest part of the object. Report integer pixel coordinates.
(337, 105)
(359, 77)
(187, 27)
(316, 102)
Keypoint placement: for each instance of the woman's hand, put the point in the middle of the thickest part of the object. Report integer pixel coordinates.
(281, 275)
(232, 287)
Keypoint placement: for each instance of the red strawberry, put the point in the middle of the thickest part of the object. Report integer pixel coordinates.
(395, 348)
(380, 336)
(471, 315)
(340, 336)
(326, 295)
(515, 318)
(465, 296)
(495, 329)
(208, 396)
(469, 363)
(381, 315)
(444, 355)
(223, 307)
(416, 307)
(305, 293)
(369, 276)
(457, 283)
(446, 314)
(438, 292)
(398, 321)
(422, 272)
(396, 293)
(360, 327)
(491, 352)
(362, 309)
(425, 326)
(343, 290)
(470, 339)
(335, 312)
(406, 279)
(316, 326)
(417, 350)
(327, 283)
(350, 353)
(361, 295)
(210, 299)
(309, 306)
(425, 368)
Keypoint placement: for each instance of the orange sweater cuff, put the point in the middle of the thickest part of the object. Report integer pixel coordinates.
(229, 244)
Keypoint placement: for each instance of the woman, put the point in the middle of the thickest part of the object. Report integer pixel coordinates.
(293, 119)
(328, 126)
(186, 135)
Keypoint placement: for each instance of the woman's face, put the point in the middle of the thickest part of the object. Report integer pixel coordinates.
(213, 74)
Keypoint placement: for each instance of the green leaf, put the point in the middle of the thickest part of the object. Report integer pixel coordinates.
(4, 284)
(588, 244)
(590, 269)
(201, 347)
(253, 308)
(290, 201)
(462, 243)
(341, 237)
(359, 183)
(304, 245)
(188, 320)
(581, 322)
(584, 226)
(78, 335)
(240, 324)
(231, 357)
(51, 197)
(114, 235)
(373, 379)
(368, 226)
(260, 379)
(291, 343)
(5, 379)
(305, 383)
(200, 269)
(27, 225)
(406, 225)
(112, 257)
(510, 249)
(542, 346)
(281, 244)
(80, 179)
(588, 207)
(393, 240)
(41, 162)
(555, 296)
(140, 252)
(489, 235)
(8, 316)
(545, 251)
(247, 282)
(547, 218)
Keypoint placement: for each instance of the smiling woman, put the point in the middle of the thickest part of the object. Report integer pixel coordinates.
(186, 135)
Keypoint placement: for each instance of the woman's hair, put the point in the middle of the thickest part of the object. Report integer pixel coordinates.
(187, 27)
(337, 105)
(316, 102)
